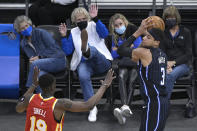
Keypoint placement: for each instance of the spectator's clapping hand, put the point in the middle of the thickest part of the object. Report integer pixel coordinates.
(170, 64)
(63, 29)
(169, 70)
(93, 11)
(33, 58)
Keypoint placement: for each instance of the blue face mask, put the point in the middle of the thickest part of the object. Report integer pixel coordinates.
(27, 32)
(120, 30)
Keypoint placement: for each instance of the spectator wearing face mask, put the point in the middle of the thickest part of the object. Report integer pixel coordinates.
(178, 47)
(120, 29)
(41, 49)
(90, 54)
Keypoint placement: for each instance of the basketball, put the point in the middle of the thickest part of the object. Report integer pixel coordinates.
(157, 22)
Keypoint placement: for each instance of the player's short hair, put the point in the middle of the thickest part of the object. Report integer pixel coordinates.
(46, 81)
(157, 34)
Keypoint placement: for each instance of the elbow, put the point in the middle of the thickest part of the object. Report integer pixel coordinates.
(19, 110)
(89, 106)
(105, 34)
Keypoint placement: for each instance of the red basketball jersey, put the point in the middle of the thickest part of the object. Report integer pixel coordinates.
(40, 116)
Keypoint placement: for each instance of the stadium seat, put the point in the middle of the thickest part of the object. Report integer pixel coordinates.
(9, 67)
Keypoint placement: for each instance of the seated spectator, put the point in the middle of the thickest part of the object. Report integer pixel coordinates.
(178, 48)
(51, 12)
(90, 54)
(120, 29)
(40, 47)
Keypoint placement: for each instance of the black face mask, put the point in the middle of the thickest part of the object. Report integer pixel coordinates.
(82, 25)
(170, 23)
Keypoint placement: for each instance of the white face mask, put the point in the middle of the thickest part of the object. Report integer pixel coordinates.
(120, 30)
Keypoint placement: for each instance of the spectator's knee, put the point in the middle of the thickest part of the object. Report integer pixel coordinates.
(84, 77)
(122, 74)
(33, 64)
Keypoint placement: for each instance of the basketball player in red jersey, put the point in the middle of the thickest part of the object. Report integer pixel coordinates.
(45, 112)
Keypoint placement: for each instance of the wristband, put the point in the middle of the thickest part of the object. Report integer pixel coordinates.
(33, 85)
(22, 99)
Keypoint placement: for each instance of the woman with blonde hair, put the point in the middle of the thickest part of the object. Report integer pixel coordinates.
(90, 54)
(120, 30)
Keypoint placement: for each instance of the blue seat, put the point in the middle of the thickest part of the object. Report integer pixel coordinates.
(9, 66)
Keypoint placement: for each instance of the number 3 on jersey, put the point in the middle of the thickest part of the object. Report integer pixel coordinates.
(40, 124)
(163, 76)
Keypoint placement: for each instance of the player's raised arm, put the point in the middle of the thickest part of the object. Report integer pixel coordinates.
(76, 106)
(24, 100)
(124, 49)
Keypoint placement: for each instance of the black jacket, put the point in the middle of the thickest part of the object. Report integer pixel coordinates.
(179, 48)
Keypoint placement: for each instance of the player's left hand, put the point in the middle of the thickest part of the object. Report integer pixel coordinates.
(93, 11)
(143, 27)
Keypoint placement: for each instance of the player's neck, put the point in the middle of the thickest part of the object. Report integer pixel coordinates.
(46, 95)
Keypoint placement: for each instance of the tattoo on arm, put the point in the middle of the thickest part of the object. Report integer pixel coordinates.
(67, 103)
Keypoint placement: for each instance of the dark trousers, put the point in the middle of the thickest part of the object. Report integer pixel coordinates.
(127, 77)
(155, 113)
(49, 13)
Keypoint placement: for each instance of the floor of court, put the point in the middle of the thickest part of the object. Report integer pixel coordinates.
(12, 121)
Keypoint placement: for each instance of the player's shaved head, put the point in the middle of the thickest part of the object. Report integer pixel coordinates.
(46, 81)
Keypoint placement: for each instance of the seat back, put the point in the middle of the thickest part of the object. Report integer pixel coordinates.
(53, 30)
(9, 67)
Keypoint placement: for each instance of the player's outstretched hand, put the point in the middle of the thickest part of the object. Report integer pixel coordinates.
(108, 78)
